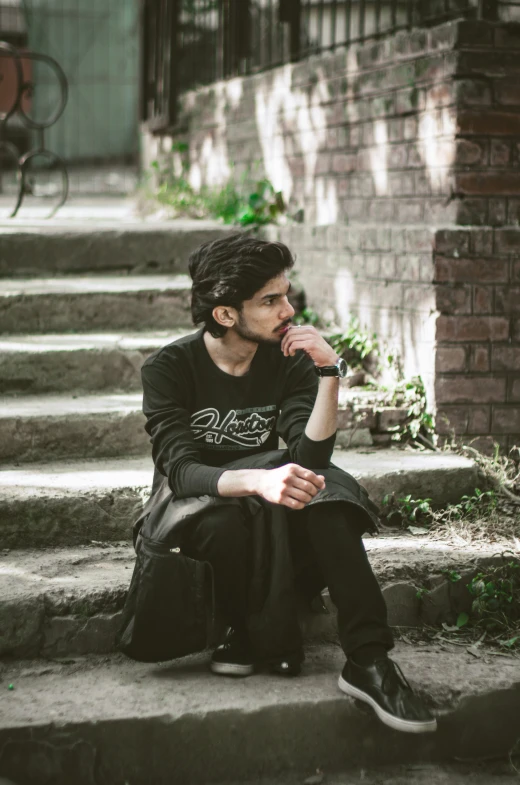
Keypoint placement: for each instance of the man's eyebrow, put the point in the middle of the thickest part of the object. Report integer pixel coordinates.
(276, 294)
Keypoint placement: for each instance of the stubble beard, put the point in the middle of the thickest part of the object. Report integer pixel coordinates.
(243, 331)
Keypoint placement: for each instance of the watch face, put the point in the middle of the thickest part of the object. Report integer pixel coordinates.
(342, 368)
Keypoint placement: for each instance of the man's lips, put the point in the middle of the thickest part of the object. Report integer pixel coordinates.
(283, 329)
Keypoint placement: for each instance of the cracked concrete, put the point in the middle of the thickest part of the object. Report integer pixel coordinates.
(94, 362)
(78, 501)
(177, 722)
(58, 248)
(94, 303)
(67, 600)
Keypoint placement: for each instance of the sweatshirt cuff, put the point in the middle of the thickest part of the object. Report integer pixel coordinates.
(314, 455)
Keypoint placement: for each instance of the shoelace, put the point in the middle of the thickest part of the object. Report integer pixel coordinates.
(394, 676)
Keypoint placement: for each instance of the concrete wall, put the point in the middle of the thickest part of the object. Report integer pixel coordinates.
(388, 148)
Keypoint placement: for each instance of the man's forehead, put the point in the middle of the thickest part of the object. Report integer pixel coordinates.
(278, 285)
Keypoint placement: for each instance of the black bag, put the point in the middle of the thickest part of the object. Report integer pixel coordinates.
(169, 608)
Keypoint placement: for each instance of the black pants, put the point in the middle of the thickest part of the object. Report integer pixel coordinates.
(327, 550)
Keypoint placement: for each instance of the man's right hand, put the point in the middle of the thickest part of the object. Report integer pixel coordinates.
(290, 485)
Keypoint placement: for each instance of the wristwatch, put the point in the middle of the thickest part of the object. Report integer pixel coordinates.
(340, 369)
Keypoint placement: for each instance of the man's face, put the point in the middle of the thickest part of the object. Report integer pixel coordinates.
(266, 316)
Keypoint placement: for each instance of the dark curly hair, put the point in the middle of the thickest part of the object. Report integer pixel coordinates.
(230, 270)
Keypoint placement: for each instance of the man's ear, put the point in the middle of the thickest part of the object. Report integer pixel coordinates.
(225, 315)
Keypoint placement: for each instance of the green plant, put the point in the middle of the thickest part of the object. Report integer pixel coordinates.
(170, 186)
(404, 511)
(307, 316)
(355, 343)
(420, 424)
(496, 606)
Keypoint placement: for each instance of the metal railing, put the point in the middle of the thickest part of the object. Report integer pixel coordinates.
(188, 43)
(16, 92)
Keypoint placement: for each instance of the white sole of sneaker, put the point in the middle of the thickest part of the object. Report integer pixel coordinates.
(231, 669)
(408, 726)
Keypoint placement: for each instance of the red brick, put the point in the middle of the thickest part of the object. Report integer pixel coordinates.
(471, 212)
(483, 299)
(452, 419)
(505, 419)
(481, 241)
(472, 92)
(507, 300)
(514, 392)
(491, 63)
(487, 183)
(489, 123)
(343, 163)
(388, 418)
(507, 240)
(467, 389)
(473, 32)
(479, 359)
(507, 92)
(479, 419)
(471, 270)
(472, 328)
(486, 444)
(453, 299)
(500, 153)
(507, 37)
(497, 211)
(469, 152)
(505, 358)
(450, 358)
(451, 242)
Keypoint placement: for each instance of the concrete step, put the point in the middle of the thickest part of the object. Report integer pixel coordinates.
(74, 502)
(51, 427)
(61, 602)
(39, 248)
(78, 425)
(94, 303)
(87, 362)
(105, 719)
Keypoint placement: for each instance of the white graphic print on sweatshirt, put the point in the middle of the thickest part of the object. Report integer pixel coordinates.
(244, 427)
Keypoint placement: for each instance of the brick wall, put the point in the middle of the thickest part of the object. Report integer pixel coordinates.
(477, 275)
(404, 155)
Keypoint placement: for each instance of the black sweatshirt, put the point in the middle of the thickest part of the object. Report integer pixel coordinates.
(200, 418)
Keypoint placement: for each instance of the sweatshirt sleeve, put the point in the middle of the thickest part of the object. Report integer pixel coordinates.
(301, 388)
(175, 454)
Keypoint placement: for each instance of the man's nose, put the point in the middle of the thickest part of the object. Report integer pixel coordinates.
(288, 311)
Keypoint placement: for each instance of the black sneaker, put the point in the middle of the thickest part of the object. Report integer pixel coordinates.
(233, 657)
(383, 686)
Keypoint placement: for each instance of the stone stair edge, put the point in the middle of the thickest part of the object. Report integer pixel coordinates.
(70, 598)
(109, 708)
(72, 502)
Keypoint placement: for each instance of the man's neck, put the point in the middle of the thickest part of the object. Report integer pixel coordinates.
(230, 353)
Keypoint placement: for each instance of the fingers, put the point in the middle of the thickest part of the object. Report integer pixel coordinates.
(318, 480)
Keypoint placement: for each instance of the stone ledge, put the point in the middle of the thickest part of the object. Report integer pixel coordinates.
(112, 247)
(67, 601)
(100, 715)
(73, 502)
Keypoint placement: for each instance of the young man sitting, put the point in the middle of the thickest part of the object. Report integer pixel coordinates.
(268, 521)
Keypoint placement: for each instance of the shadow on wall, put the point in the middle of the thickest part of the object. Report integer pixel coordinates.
(289, 120)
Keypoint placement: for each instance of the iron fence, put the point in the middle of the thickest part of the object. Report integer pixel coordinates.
(187, 43)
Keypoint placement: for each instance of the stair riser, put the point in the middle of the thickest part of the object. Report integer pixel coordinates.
(79, 370)
(284, 740)
(90, 436)
(57, 252)
(89, 312)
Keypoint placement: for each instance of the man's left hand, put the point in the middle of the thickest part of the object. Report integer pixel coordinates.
(308, 338)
